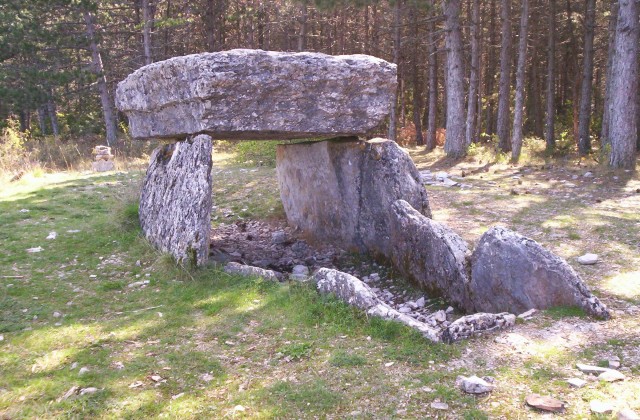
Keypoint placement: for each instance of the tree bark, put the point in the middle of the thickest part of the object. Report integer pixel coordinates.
(516, 139)
(432, 50)
(584, 119)
(474, 80)
(624, 91)
(42, 121)
(454, 145)
(53, 117)
(98, 69)
(396, 59)
(417, 122)
(491, 72)
(302, 37)
(146, 33)
(606, 115)
(504, 143)
(549, 134)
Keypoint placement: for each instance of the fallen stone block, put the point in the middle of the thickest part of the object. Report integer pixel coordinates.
(250, 271)
(430, 254)
(253, 94)
(514, 274)
(474, 385)
(175, 203)
(340, 191)
(477, 324)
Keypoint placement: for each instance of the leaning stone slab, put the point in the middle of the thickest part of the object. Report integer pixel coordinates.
(430, 254)
(251, 271)
(477, 324)
(340, 191)
(513, 273)
(175, 203)
(253, 94)
(355, 292)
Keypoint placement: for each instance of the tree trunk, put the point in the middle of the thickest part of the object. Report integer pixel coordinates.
(146, 33)
(455, 139)
(491, 72)
(474, 79)
(53, 117)
(606, 115)
(584, 119)
(432, 50)
(624, 90)
(549, 134)
(504, 143)
(516, 140)
(105, 98)
(417, 122)
(396, 59)
(42, 121)
(302, 37)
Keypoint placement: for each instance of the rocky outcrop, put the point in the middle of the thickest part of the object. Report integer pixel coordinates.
(341, 191)
(255, 94)
(513, 273)
(430, 254)
(175, 203)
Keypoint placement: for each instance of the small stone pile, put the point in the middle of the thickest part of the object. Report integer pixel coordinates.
(104, 159)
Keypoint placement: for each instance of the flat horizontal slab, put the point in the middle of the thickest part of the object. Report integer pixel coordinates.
(258, 95)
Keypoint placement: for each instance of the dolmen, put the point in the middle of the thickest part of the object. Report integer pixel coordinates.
(366, 196)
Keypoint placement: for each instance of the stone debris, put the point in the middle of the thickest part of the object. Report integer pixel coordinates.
(175, 203)
(576, 382)
(614, 362)
(601, 407)
(52, 235)
(247, 94)
(545, 403)
(103, 160)
(477, 324)
(439, 406)
(588, 259)
(528, 314)
(590, 369)
(299, 273)
(71, 392)
(510, 272)
(83, 370)
(611, 375)
(628, 414)
(88, 390)
(474, 385)
(35, 250)
(140, 283)
(250, 271)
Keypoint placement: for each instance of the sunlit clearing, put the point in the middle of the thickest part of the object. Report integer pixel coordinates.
(625, 285)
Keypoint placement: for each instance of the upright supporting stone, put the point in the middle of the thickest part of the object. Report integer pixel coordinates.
(175, 204)
(341, 190)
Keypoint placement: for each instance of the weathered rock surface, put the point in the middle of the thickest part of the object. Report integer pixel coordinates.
(341, 191)
(513, 273)
(250, 271)
(430, 254)
(175, 203)
(545, 403)
(474, 385)
(355, 292)
(477, 324)
(255, 94)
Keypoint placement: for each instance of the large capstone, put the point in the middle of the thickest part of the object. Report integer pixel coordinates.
(514, 274)
(341, 191)
(430, 254)
(175, 204)
(255, 94)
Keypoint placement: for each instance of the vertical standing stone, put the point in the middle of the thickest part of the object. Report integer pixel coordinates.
(175, 204)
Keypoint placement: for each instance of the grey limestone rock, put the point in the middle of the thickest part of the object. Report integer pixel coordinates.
(254, 94)
(477, 324)
(430, 254)
(341, 190)
(513, 273)
(251, 271)
(474, 385)
(175, 203)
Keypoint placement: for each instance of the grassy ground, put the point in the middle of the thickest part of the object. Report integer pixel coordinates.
(205, 344)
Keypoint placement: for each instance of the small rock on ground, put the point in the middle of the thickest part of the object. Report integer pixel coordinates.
(627, 414)
(588, 259)
(545, 403)
(601, 407)
(577, 382)
(474, 385)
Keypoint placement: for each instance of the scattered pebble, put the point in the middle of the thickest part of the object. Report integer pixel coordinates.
(89, 390)
(474, 385)
(545, 403)
(34, 250)
(577, 382)
(588, 259)
(138, 283)
(527, 315)
(57, 314)
(601, 407)
(439, 405)
(52, 235)
(83, 370)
